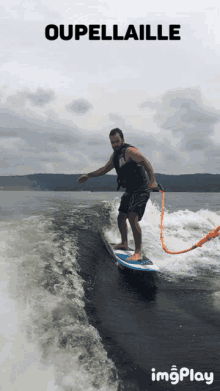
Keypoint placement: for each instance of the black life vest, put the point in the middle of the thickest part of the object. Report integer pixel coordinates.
(131, 175)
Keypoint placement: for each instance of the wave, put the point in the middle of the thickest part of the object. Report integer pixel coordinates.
(181, 229)
(53, 340)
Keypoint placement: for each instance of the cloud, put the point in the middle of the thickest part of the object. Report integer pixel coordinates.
(183, 112)
(171, 157)
(39, 98)
(96, 141)
(115, 117)
(140, 141)
(176, 136)
(30, 142)
(194, 144)
(79, 106)
(100, 158)
(38, 135)
(149, 104)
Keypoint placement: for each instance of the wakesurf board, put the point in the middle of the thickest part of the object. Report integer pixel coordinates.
(121, 256)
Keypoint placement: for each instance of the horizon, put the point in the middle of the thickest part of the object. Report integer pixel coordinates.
(52, 173)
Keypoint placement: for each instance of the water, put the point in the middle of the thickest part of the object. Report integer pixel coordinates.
(72, 320)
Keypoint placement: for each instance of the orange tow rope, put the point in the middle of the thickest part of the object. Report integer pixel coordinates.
(210, 235)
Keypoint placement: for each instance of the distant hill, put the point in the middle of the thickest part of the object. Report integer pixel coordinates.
(64, 182)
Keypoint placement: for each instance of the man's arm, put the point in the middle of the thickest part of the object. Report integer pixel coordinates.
(101, 171)
(133, 154)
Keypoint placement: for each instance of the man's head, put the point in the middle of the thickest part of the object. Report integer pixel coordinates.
(117, 138)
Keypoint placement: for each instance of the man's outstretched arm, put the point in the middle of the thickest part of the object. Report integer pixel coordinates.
(101, 171)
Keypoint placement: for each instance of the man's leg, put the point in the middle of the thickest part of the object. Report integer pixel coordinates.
(136, 229)
(122, 225)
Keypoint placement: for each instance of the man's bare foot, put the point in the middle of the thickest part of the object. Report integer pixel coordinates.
(134, 257)
(120, 246)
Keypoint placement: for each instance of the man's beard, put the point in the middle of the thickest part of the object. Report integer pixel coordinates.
(118, 148)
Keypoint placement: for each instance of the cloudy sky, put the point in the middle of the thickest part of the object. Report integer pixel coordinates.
(60, 99)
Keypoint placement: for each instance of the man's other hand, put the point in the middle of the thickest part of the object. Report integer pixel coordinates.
(83, 178)
(153, 184)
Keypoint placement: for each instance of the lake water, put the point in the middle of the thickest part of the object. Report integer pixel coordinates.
(71, 320)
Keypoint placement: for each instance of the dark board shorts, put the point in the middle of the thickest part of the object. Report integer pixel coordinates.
(134, 202)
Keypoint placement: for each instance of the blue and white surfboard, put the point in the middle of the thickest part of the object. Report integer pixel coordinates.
(121, 257)
(144, 264)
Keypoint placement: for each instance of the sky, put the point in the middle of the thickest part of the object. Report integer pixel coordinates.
(60, 99)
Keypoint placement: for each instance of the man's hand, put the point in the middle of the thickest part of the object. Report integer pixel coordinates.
(83, 178)
(153, 184)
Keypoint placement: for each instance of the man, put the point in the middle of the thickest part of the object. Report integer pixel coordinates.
(131, 167)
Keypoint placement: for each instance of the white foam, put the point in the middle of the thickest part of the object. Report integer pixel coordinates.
(182, 229)
(34, 320)
(20, 365)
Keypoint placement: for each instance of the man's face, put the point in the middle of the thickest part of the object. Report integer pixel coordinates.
(116, 142)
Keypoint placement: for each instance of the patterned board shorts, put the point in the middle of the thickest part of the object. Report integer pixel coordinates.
(134, 202)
